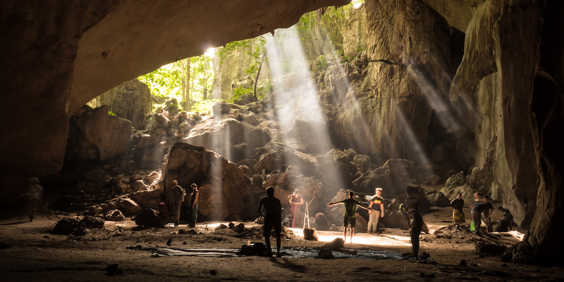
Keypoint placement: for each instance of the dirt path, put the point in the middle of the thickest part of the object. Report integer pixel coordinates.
(34, 254)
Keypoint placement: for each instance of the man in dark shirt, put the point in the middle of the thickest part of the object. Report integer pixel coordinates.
(457, 213)
(350, 213)
(477, 209)
(506, 222)
(272, 219)
(414, 208)
(488, 209)
(194, 205)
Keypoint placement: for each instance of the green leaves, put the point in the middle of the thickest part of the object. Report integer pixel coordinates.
(164, 81)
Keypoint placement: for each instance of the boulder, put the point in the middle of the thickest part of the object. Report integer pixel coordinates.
(310, 234)
(147, 198)
(95, 137)
(222, 184)
(395, 219)
(114, 215)
(266, 162)
(152, 177)
(150, 156)
(243, 137)
(66, 226)
(129, 206)
(130, 100)
(246, 170)
(455, 180)
(362, 162)
(138, 186)
(147, 217)
(92, 222)
(438, 199)
(393, 176)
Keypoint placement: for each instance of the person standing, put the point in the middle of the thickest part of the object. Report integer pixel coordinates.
(477, 209)
(194, 205)
(505, 224)
(488, 210)
(272, 219)
(34, 194)
(296, 202)
(376, 211)
(414, 208)
(350, 213)
(178, 195)
(457, 212)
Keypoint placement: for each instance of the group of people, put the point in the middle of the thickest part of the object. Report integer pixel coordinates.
(481, 210)
(273, 220)
(177, 197)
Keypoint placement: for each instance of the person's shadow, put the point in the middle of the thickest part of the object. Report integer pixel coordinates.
(285, 263)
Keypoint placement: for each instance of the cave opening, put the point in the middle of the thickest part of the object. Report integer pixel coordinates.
(312, 98)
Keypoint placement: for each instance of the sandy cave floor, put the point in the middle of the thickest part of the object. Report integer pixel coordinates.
(37, 255)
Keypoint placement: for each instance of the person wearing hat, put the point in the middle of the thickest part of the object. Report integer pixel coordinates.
(296, 202)
(178, 195)
(376, 211)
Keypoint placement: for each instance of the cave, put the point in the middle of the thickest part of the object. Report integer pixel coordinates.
(318, 96)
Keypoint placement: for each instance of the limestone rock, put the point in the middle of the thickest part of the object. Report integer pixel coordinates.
(95, 137)
(266, 162)
(139, 186)
(130, 100)
(362, 162)
(147, 198)
(310, 234)
(152, 177)
(114, 215)
(92, 222)
(354, 36)
(209, 132)
(393, 177)
(147, 217)
(222, 184)
(438, 199)
(129, 206)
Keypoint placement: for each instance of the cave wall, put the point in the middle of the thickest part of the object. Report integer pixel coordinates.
(511, 77)
(497, 73)
(399, 87)
(62, 54)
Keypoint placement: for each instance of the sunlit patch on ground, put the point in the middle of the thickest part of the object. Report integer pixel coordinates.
(360, 238)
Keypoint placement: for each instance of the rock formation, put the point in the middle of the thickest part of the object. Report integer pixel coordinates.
(66, 54)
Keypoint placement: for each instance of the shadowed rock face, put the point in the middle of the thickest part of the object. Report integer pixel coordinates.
(61, 54)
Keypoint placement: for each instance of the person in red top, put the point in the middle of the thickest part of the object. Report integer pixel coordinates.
(296, 202)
